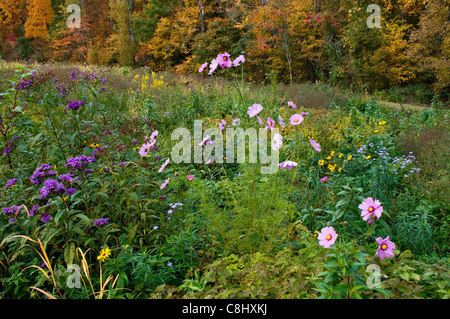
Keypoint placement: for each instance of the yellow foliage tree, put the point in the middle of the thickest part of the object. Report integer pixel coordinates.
(40, 14)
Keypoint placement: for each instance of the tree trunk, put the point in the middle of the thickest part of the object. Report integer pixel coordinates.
(202, 15)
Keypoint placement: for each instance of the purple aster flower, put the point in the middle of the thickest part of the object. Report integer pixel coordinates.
(11, 182)
(101, 222)
(71, 191)
(45, 218)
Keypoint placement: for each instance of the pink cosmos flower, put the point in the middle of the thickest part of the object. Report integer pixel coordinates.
(292, 104)
(164, 165)
(203, 67)
(296, 119)
(204, 140)
(327, 237)
(236, 122)
(165, 183)
(261, 122)
(288, 164)
(145, 149)
(224, 60)
(304, 113)
(208, 162)
(222, 124)
(386, 248)
(240, 59)
(254, 110)
(324, 179)
(277, 142)
(190, 177)
(270, 123)
(213, 66)
(315, 145)
(370, 208)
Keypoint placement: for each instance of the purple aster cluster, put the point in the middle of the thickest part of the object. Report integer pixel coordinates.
(79, 162)
(10, 145)
(44, 171)
(51, 186)
(23, 85)
(34, 210)
(63, 89)
(74, 105)
(10, 183)
(101, 222)
(45, 218)
(13, 210)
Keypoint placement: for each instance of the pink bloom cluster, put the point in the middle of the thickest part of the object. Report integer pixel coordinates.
(224, 61)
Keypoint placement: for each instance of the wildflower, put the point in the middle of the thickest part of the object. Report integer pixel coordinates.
(381, 122)
(163, 185)
(315, 145)
(296, 119)
(376, 131)
(51, 186)
(204, 140)
(327, 237)
(331, 167)
(386, 248)
(324, 179)
(101, 222)
(94, 145)
(104, 254)
(281, 122)
(224, 60)
(240, 59)
(222, 124)
(155, 227)
(254, 110)
(34, 210)
(368, 157)
(236, 122)
(370, 207)
(190, 178)
(260, 121)
(270, 123)
(203, 67)
(321, 162)
(145, 149)
(66, 178)
(71, 191)
(292, 105)
(10, 183)
(169, 264)
(75, 105)
(340, 155)
(164, 165)
(43, 171)
(288, 164)
(213, 66)
(349, 157)
(277, 142)
(45, 218)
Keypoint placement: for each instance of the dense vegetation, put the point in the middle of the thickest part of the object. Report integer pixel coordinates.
(80, 194)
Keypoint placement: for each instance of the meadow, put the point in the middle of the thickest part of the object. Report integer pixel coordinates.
(93, 205)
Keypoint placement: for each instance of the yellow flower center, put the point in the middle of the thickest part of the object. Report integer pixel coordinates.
(328, 237)
(225, 58)
(371, 209)
(296, 120)
(384, 247)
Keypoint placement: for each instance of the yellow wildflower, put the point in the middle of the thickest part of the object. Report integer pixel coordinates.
(349, 157)
(368, 157)
(382, 122)
(340, 155)
(104, 254)
(376, 131)
(331, 167)
(321, 162)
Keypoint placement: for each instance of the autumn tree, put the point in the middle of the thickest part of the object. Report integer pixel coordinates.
(40, 14)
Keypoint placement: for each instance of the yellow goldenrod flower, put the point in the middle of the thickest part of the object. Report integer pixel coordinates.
(321, 162)
(104, 254)
(382, 122)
